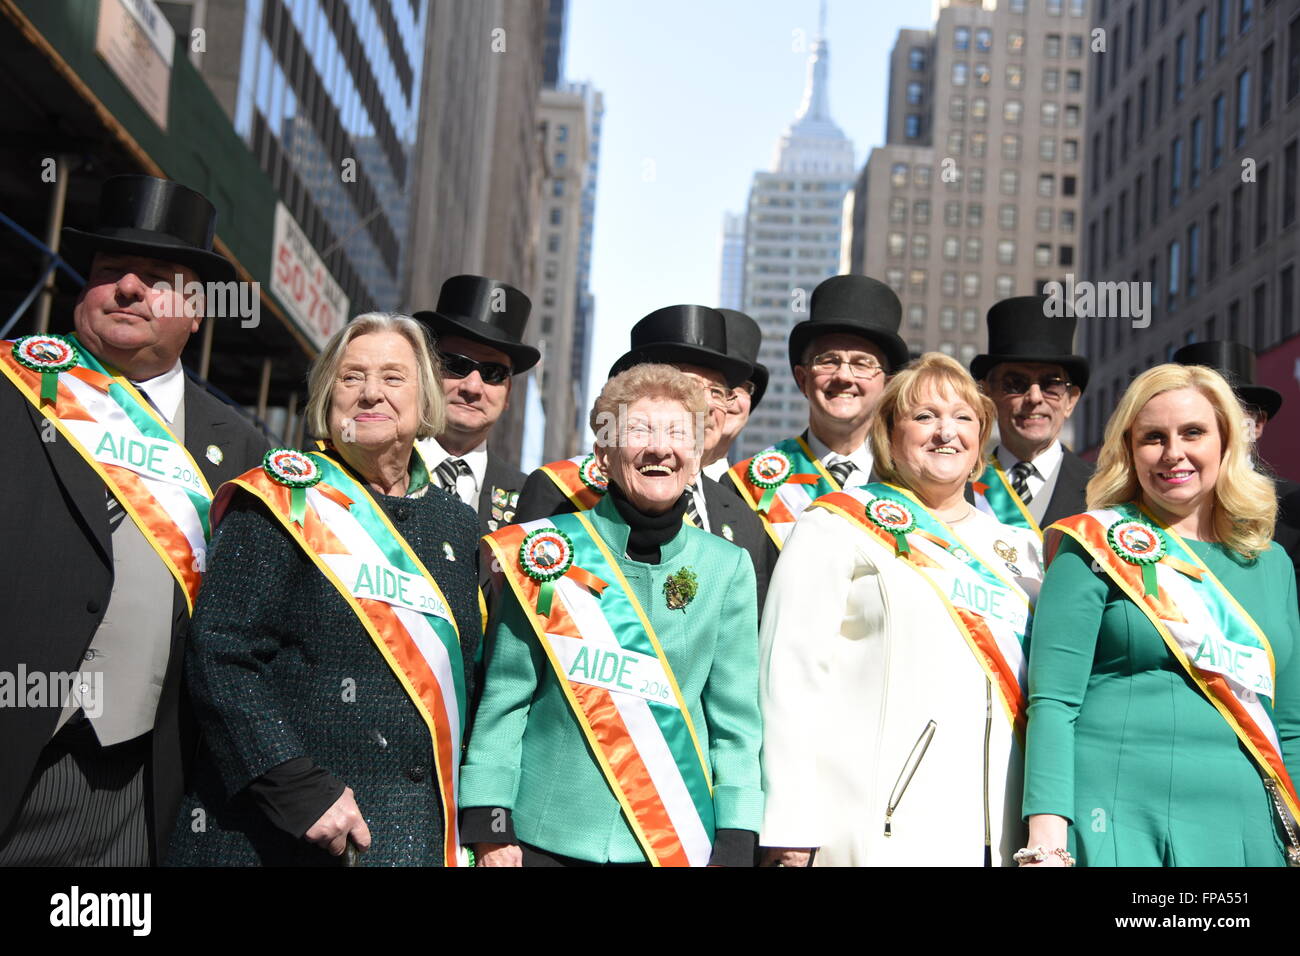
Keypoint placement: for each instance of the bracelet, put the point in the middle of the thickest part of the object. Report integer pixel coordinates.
(1039, 853)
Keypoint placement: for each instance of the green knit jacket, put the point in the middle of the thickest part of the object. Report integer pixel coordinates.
(527, 752)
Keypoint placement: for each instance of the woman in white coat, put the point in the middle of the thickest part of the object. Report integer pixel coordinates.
(893, 652)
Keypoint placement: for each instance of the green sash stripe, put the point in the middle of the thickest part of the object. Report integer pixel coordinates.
(147, 424)
(1002, 499)
(366, 512)
(619, 610)
(805, 464)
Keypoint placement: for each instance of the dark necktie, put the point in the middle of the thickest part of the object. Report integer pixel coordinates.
(449, 471)
(1019, 474)
(841, 470)
(692, 512)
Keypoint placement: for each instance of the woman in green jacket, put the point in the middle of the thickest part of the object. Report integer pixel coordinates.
(1166, 619)
(619, 720)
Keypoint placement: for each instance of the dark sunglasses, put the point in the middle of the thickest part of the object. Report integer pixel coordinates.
(1052, 386)
(458, 366)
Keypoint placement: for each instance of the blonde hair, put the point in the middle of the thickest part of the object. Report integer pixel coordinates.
(325, 370)
(1245, 502)
(942, 373)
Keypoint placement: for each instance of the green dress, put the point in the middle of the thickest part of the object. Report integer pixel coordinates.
(1125, 746)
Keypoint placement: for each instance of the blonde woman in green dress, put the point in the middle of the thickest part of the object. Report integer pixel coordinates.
(1164, 669)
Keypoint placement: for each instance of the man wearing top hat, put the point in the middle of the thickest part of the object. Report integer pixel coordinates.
(840, 355)
(692, 339)
(1035, 380)
(479, 329)
(743, 341)
(111, 458)
(1236, 363)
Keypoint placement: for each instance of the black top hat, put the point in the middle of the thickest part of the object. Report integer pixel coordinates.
(855, 305)
(1020, 330)
(744, 338)
(1236, 363)
(685, 335)
(146, 216)
(487, 311)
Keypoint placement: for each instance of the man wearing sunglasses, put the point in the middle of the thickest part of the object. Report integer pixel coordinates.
(478, 327)
(841, 356)
(1035, 380)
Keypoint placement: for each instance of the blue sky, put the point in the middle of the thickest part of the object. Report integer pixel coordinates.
(696, 96)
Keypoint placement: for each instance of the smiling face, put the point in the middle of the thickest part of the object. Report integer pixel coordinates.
(656, 455)
(1177, 449)
(1030, 421)
(473, 406)
(375, 401)
(935, 443)
(128, 318)
(837, 399)
(714, 385)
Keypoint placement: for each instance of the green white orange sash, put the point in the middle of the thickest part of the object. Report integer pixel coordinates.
(350, 539)
(580, 479)
(119, 434)
(995, 496)
(1215, 640)
(617, 680)
(780, 483)
(992, 613)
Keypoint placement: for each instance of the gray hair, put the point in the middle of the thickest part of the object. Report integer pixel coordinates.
(325, 370)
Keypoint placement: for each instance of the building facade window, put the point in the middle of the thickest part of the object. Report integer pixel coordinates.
(1243, 109)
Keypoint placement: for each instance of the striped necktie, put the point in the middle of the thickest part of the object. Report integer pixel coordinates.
(1019, 475)
(692, 512)
(841, 470)
(449, 471)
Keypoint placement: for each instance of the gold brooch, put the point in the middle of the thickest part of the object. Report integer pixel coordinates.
(1005, 551)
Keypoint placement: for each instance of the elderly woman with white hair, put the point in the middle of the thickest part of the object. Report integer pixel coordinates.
(334, 636)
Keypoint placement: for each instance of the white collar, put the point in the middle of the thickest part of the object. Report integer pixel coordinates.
(165, 391)
(861, 456)
(1046, 461)
(475, 458)
(717, 469)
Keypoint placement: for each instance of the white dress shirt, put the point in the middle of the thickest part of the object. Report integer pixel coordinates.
(717, 469)
(1042, 480)
(165, 391)
(860, 477)
(467, 487)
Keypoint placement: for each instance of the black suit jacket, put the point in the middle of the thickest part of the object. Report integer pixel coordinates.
(1071, 484)
(542, 498)
(57, 568)
(498, 500)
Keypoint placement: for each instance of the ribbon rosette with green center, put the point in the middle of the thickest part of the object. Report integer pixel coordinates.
(49, 355)
(546, 555)
(297, 472)
(1139, 543)
(895, 517)
(592, 476)
(769, 470)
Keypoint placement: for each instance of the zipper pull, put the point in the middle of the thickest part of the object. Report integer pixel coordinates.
(888, 830)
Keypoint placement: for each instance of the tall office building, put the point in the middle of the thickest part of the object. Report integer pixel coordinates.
(564, 124)
(731, 264)
(553, 52)
(1192, 175)
(584, 320)
(975, 197)
(792, 242)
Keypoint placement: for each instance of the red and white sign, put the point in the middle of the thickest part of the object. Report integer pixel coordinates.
(299, 279)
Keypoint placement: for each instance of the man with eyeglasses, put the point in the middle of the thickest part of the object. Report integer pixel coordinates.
(840, 355)
(478, 327)
(744, 339)
(692, 339)
(1034, 378)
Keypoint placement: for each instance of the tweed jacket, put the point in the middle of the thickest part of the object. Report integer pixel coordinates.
(527, 752)
(281, 668)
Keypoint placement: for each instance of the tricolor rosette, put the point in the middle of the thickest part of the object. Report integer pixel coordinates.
(1139, 543)
(546, 555)
(592, 476)
(49, 355)
(296, 471)
(893, 516)
(769, 470)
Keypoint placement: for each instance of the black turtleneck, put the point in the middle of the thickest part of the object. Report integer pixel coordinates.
(649, 532)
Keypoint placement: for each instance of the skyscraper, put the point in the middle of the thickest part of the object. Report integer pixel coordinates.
(731, 267)
(792, 242)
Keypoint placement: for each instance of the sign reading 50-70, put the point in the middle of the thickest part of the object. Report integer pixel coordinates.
(301, 282)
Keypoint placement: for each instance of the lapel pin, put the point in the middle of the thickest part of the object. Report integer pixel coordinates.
(447, 552)
(215, 455)
(728, 533)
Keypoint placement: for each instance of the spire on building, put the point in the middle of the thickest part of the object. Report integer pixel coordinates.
(813, 142)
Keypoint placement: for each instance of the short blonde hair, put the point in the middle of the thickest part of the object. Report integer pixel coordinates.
(651, 380)
(325, 371)
(932, 370)
(1245, 502)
